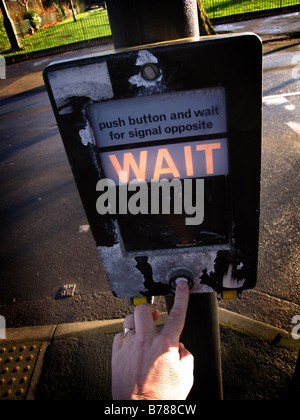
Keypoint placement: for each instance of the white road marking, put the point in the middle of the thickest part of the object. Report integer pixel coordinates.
(280, 100)
(268, 100)
(290, 107)
(281, 95)
(294, 126)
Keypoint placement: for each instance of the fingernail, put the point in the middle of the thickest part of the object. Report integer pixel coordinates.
(182, 284)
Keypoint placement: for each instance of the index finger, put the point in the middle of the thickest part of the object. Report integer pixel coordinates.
(176, 319)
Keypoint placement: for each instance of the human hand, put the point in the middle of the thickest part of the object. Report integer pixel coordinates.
(148, 364)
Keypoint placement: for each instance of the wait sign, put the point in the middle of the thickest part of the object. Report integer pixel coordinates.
(176, 135)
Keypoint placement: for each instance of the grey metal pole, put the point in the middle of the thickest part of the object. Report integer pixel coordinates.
(138, 22)
(296, 377)
(292, 391)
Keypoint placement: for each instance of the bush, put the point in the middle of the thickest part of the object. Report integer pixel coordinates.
(34, 18)
(60, 10)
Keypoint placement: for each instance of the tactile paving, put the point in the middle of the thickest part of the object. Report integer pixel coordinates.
(17, 361)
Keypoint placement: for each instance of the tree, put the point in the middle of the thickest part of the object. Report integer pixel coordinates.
(73, 10)
(10, 27)
(24, 3)
(206, 27)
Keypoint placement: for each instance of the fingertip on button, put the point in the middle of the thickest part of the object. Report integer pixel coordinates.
(182, 285)
(181, 278)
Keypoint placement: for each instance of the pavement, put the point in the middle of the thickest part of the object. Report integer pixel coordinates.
(269, 28)
(72, 361)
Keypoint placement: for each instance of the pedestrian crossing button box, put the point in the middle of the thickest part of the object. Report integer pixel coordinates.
(164, 142)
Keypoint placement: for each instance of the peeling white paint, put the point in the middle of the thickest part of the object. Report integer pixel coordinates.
(91, 81)
(163, 265)
(124, 278)
(139, 81)
(203, 288)
(231, 283)
(87, 135)
(144, 57)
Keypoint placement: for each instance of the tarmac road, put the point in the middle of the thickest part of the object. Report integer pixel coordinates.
(44, 243)
(277, 296)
